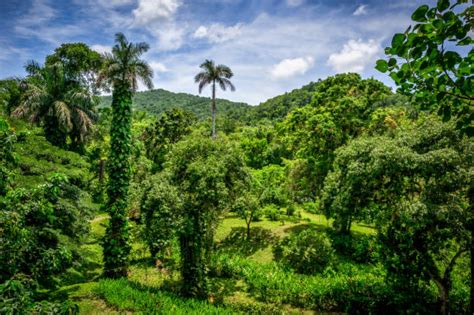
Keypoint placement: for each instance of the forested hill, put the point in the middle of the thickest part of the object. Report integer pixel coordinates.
(159, 100)
(321, 93)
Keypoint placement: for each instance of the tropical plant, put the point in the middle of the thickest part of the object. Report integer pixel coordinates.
(307, 252)
(207, 175)
(211, 75)
(64, 107)
(122, 70)
(415, 186)
(424, 64)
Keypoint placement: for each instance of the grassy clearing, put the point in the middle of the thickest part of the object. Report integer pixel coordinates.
(149, 291)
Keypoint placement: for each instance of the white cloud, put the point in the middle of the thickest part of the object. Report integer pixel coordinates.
(288, 68)
(355, 56)
(149, 11)
(294, 3)
(170, 36)
(101, 48)
(158, 67)
(217, 33)
(361, 10)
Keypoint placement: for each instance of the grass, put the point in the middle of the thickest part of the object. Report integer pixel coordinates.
(149, 291)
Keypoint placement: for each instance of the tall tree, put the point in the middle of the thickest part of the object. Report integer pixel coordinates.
(123, 68)
(64, 107)
(433, 62)
(213, 74)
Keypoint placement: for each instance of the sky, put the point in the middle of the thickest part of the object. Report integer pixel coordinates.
(272, 46)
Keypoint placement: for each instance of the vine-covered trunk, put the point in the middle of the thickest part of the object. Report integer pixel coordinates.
(115, 244)
(214, 110)
(193, 267)
(471, 208)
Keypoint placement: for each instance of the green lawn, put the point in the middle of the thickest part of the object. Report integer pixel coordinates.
(149, 289)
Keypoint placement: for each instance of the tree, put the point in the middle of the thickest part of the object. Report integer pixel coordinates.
(340, 109)
(160, 213)
(63, 107)
(424, 64)
(168, 129)
(213, 74)
(11, 92)
(415, 186)
(207, 175)
(123, 67)
(80, 63)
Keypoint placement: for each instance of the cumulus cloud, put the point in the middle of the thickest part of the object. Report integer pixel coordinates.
(288, 68)
(217, 33)
(158, 67)
(355, 56)
(361, 10)
(149, 11)
(294, 3)
(101, 48)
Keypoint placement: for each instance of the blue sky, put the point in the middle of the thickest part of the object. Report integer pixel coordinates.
(272, 46)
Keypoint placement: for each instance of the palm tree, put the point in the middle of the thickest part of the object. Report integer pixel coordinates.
(63, 106)
(213, 74)
(122, 68)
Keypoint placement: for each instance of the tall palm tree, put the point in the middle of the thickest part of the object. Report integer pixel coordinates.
(122, 68)
(213, 74)
(63, 106)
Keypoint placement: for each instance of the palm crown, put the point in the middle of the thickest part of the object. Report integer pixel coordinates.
(211, 73)
(124, 64)
(60, 103)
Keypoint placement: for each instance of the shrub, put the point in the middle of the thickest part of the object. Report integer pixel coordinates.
(307, 252)
(272, 212)
(360, 248)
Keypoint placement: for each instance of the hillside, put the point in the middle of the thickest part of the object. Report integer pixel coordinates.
(159, 100)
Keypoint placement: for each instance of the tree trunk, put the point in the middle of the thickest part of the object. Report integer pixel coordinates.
(248, 230)
(214, 110)
(443, 296)
(471, 207)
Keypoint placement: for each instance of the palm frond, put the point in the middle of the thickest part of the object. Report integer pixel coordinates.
(63, 114)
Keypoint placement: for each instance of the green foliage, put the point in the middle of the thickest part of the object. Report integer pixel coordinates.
(168, 129)
(128, 296)
(80, 62)
(424, 66)
(350, 290)
(160, 214)
(207, 175)
(212, 74)
(340, 109)
(122, 70)
(158, 101)
(11, 91)
(415, 186)
(17, 297)
(307, 252)
(64, 106)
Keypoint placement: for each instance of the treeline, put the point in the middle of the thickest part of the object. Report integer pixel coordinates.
(346, 147)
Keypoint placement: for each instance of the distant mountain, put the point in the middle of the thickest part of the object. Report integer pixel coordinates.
(159, 100)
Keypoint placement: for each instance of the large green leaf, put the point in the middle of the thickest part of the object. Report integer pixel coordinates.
(420, 14)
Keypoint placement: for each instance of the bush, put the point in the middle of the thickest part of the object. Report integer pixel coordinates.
(307, 252)
(272, 212)
(360, 248)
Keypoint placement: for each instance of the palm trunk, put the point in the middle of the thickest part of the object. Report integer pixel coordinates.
(214, 110)
(116, 247)
(471, 207)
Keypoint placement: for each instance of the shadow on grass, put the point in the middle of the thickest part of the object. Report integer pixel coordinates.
(237, 241)
(302, 227)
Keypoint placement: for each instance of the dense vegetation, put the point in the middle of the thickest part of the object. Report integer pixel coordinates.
(342, 196)
(159, 101)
